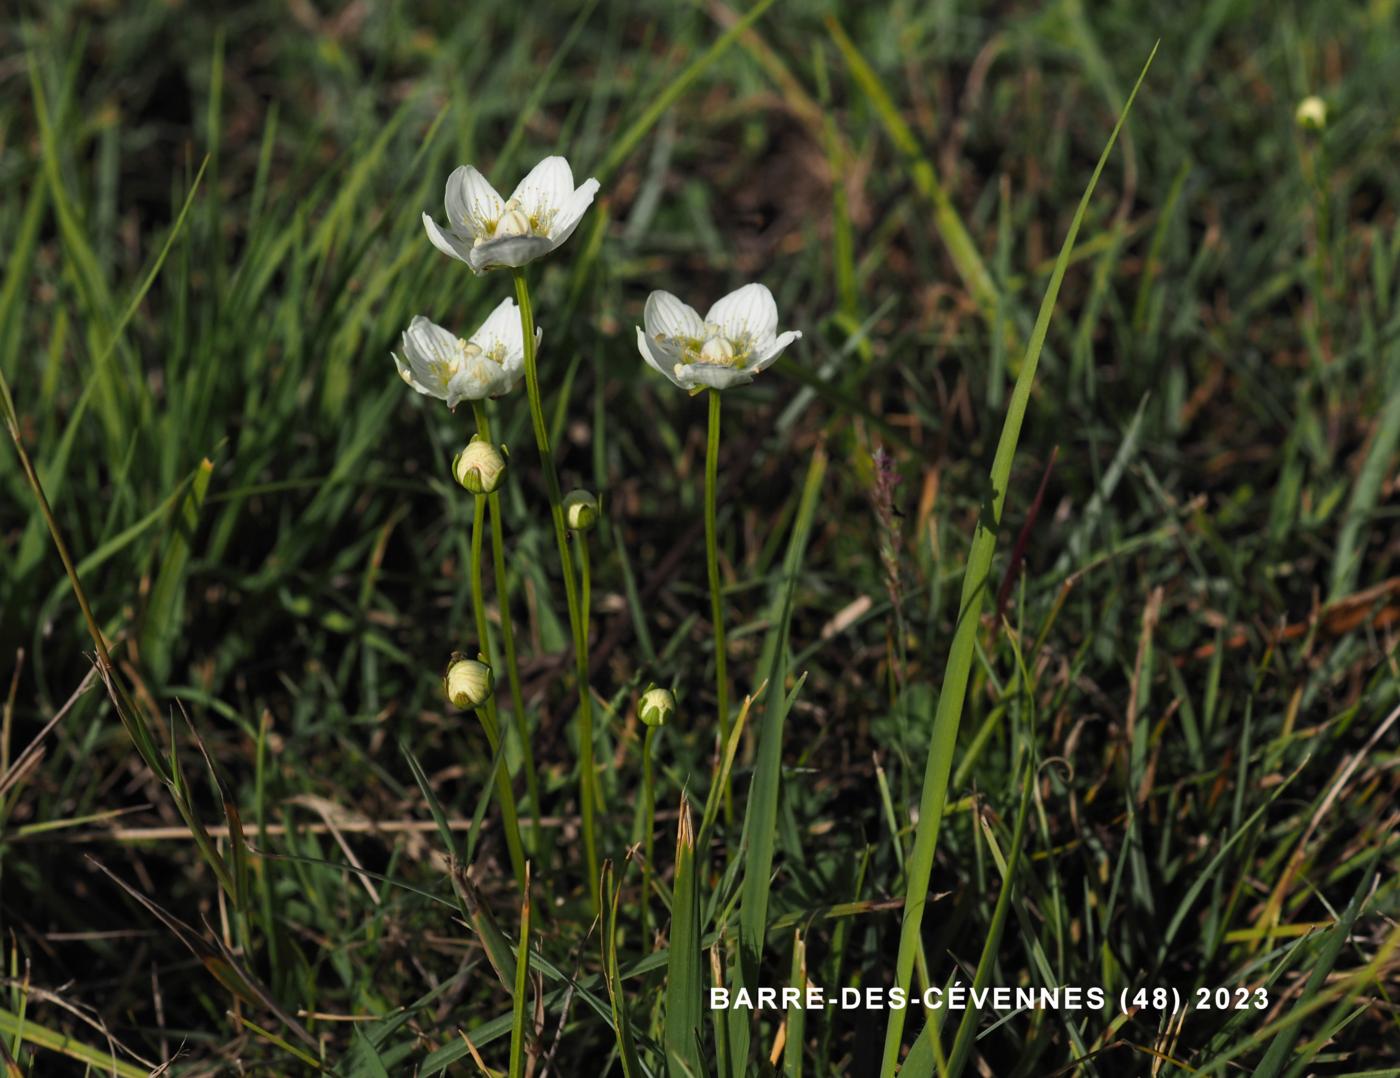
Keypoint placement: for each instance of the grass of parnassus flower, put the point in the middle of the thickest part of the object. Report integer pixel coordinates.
(1175, 754)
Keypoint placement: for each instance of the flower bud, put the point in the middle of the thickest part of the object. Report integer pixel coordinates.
(480, 467)
(580, 510)
(657, 706)
(469, 683)
(1312, 113)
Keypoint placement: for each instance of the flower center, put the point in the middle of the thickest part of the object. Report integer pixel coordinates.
(714, 349)
(444, 367)
(514, 221)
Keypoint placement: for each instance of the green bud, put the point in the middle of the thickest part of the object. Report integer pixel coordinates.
(469, 683)
(658, 706)
(480, 467)
(580, 510)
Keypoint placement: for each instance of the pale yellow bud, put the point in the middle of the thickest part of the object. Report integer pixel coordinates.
(480, 467)
(469, 683)
(580, 510)
(1312, 113)
(657, 707)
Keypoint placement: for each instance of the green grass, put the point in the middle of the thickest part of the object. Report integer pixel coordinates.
(1165, 747)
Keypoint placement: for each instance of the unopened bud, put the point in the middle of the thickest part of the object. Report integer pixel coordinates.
(469, 683)
(480, 467)
(1312, 113)
(580, 510)
(657, 707)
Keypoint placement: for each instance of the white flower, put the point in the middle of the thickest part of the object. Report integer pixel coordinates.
(736, 340)
(440, 364)
(485, 231)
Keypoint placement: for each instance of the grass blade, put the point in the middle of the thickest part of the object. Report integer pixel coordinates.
(612, 976)
(959, 666)
(761, 817)
(683, 985)
(522, 978)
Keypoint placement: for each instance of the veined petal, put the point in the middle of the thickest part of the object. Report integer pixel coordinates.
(656, 358)
(693, 375)
(410, 380)
(564, 223)
(747, 313)
(763, 359)
(429, 351)
(502, 327)
(477, 379)
(501, 339)
(665, 315)
(472, 203)
(512, 251)
(445, 242)
(547, 190)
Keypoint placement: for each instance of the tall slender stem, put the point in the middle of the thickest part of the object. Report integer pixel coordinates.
(576, 623)
(489, 721)
(648, 826)
(716, 597)
(517, 697)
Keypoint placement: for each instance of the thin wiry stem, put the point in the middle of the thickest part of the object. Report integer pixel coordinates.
(489, 721)
(716, 597)
(517, 696)
(648, 826)
(587, 797)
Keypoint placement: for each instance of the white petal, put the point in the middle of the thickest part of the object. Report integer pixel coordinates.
(502, 330)
(425, 347)
(764, 358)
(564, 223)
(472, 203)
(478, 379)
(510, 251)
(445, 242)
(748, 312)
(406, 373)
(667, 316)
(656, 359)
(548, 187)
(714, 376)
(502, 326)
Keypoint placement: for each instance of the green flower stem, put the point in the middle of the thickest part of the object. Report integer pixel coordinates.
(489, 722)
(576, 623)
(585, 607)
(648, 825)
(716, 597)
(517, 696)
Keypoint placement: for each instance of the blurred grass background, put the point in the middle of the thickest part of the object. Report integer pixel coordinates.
(1198, 647)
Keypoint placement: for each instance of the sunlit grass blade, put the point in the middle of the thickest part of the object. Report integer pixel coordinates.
(99, 1061)
(683, 979)
(796, 1016)
(522, 981)
(761, 815)
(612, 977)
(165, 606)
(1329, 951)
(958, 669)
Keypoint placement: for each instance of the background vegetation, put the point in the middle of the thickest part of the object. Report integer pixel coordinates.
(210, 217)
